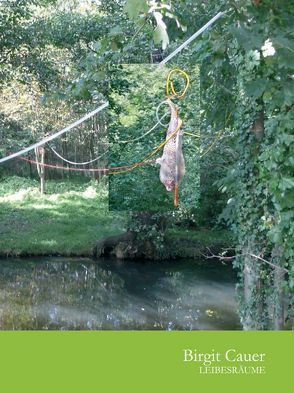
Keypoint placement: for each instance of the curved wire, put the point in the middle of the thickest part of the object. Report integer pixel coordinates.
(57, 134)
(151, 154)
(157, 116)
(146, 133)
(126, 168)
(77, 163)
(164, 61)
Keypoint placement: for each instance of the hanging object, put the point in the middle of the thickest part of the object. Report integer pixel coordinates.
(172, 163)
(105, 105)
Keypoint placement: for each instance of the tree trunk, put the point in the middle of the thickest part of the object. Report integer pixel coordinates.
(252, 289)
(278, 292)
(251, 273)
(278, 323)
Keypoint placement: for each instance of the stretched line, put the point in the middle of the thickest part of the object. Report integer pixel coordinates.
(192, 38)
(149, 155)
(190, 134)
(65, 168)
(82, 119)
(125, 168)
(51, 137)
(146, 133)
(85, 169)
(219, 135)
(78, 163)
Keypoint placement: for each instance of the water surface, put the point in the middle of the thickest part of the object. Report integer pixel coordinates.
(59, 293)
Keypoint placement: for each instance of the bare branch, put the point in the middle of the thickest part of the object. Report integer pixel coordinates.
(223, 258)
(268, 262)
(220, 257)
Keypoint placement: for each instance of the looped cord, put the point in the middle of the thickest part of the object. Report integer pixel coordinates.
(157, 114)
(77, 163)
(170, 88)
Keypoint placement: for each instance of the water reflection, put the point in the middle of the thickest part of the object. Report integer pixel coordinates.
(82, 294)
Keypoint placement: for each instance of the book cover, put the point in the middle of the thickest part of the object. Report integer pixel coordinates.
(146, 195)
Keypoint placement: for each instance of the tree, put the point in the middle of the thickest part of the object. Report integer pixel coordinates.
(247, 63)
(246, 73)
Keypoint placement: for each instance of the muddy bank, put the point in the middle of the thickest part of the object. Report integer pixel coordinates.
(126, 246)
(192, 245)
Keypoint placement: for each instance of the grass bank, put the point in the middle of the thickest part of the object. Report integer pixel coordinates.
(66, 221)
(72, 216)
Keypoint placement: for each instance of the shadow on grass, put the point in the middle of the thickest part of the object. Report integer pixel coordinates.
(64, 223)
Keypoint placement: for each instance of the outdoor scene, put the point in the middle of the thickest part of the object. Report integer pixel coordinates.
(143, 111)
(76, 252)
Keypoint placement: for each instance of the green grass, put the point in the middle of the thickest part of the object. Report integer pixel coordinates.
(68, 220)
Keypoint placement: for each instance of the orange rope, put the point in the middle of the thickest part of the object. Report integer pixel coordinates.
(83, 169)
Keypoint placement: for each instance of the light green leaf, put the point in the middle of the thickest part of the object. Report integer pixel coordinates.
(288, 200)
(256, 88)
(286, 183)
(160, 33)
(247, 38)
(135, 7)
(117, 30)
(286, 58)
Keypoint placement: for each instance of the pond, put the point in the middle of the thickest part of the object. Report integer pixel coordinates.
(81, 294)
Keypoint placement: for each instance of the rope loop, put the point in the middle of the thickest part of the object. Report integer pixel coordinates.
(170, 88)
(157, 114)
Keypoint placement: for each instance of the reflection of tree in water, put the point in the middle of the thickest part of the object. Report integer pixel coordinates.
(86, 295)
(56, 295)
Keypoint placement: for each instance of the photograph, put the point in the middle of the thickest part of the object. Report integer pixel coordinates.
(146, 175)
(154, 135)
(146, 195)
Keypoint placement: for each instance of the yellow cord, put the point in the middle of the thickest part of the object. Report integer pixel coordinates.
(170, 85)
(219, 135)
(151, 154)
(190, 134)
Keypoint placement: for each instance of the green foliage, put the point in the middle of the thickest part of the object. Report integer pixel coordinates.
(207, 238)
(135, 92)
(246, 150)
(11, 184)
(135, 7)
(259, 184)
(159, 14)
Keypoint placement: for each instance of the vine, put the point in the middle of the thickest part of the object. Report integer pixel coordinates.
(260, 184)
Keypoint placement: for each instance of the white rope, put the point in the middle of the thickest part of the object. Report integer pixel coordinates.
(148, 132)
(192, 38)
(157, 116)
(105, 105)
(77, 163)
(57, 134)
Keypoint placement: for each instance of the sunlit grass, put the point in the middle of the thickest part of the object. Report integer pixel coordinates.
(68, 220)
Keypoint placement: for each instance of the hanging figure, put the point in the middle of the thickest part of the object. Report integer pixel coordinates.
(172, 164)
